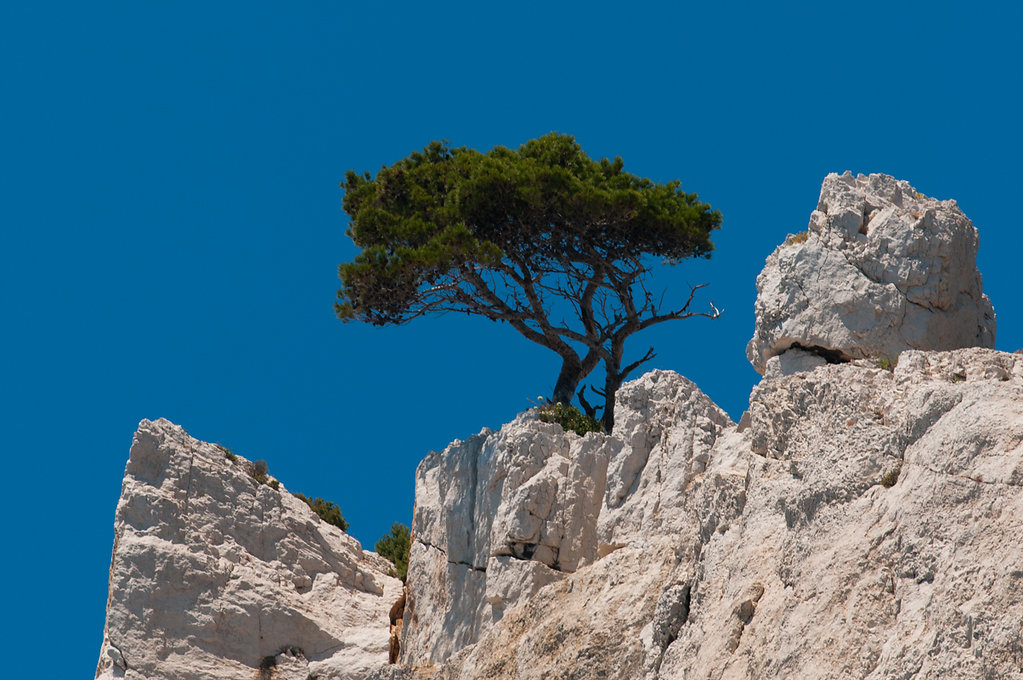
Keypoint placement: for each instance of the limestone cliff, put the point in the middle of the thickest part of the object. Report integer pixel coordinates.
(504, 514)
(860, 521)
(216, 575)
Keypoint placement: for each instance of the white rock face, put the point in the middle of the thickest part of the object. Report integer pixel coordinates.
(497, 517)
(668, 431)
(502, 515)
(878, 537)
(792, 361)
(214, 575)
(883, 269)
(863, 524)
(858, 523)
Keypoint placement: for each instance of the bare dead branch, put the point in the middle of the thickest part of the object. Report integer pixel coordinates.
(587, 408)
(650, 354)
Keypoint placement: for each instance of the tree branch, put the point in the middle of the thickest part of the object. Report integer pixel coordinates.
(587, 408)
(650, 354)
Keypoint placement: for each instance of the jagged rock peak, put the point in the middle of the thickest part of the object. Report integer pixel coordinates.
(217, 575)
(881, 269)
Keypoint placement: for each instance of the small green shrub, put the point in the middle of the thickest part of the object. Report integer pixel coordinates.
(885, 363)
(328, 512)
(396, 547)
(228, 454)
(274, 484)
(889, 478)
(259, 471)
(569, 417)
(793, 239)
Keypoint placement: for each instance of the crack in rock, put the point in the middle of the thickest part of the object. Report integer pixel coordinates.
(444, 552)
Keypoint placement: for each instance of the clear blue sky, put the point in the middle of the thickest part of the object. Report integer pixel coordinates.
(172, 223)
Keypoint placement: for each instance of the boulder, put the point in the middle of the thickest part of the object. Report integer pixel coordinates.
(881, 269)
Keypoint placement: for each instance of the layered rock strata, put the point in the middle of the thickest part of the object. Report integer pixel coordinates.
(881, 269)
(217, 575)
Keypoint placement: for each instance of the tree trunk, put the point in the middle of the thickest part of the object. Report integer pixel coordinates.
(568, 380)
(613, 379)
(611, 384)
(573, 370)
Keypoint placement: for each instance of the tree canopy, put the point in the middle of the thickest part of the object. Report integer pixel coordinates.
(328, 511)
(510, 234)
(396, 546)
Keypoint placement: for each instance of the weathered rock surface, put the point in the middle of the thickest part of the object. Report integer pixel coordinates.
(215, 575)
(862, 523)
(502, 515)
(883, 269)
(497, 517)
(875, 539)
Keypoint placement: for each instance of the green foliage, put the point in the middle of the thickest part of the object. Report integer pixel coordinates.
(259, 471)
(509, 234)
(886, 363)
(569, 417)
(395, 547)
(889, 478)
(328, 512)
(228, 454)
(801, 237)
(420, 221)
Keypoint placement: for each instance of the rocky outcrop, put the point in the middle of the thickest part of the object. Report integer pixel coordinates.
(502, 515)
(873, 539)
(860, 521)
(216, 575)
(858, 524)
(854, 524)
(497, 517)
(882, 269)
